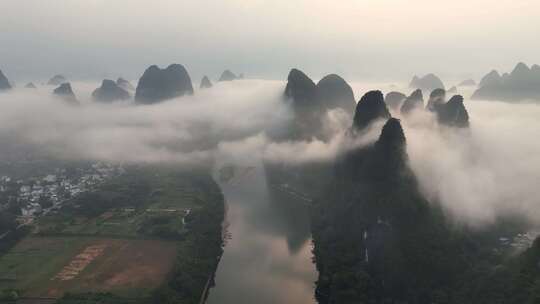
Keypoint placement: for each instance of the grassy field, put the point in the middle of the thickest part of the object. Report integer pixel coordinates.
(51, 266)
(128, 223)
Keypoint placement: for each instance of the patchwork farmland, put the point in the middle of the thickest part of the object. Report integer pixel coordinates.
(52, 266)
(125, 241)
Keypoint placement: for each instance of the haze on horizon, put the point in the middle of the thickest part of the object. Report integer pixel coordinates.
(359, 39)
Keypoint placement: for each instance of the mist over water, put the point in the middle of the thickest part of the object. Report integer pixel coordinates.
(477, 174)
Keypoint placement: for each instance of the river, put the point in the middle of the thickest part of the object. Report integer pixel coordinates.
(267, 257)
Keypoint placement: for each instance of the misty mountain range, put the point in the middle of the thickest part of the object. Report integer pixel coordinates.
(377, 239)
(374, 226)
(269, 152)
(428, 82)
(522, 84)
(110, 91)
(174, 81)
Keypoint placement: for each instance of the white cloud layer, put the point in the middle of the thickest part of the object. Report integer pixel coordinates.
(477, 174)
(491, 169)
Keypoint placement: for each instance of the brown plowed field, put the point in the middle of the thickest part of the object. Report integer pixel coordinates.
(51, 266)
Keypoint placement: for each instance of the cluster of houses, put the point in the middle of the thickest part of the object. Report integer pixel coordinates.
(40, 194)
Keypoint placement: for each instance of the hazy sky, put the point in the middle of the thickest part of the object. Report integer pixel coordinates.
(360, 39)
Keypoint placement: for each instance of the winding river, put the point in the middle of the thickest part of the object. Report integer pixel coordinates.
(267, 256)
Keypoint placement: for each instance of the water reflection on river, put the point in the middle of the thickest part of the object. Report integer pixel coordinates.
(268, 258)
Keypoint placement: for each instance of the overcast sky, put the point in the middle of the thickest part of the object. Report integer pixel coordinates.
(359, 39)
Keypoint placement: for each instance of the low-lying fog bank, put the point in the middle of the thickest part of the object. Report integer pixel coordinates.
(477, 174)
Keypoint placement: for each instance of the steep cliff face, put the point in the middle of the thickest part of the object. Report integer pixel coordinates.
(370, 108)
(392, 140)
(335, 92)
(302, 94)
(311, 102)
(373, 231)
(157, 84)
(301, 89)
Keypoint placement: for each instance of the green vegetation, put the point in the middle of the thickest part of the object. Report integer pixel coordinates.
(9, 233)
(163, 218)
(7, 222)
(50, 266)
(377, 240)
(94, 298)
(144, 202)
(198, 259)
(516, 280)
(33, 262)
(9, 296)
